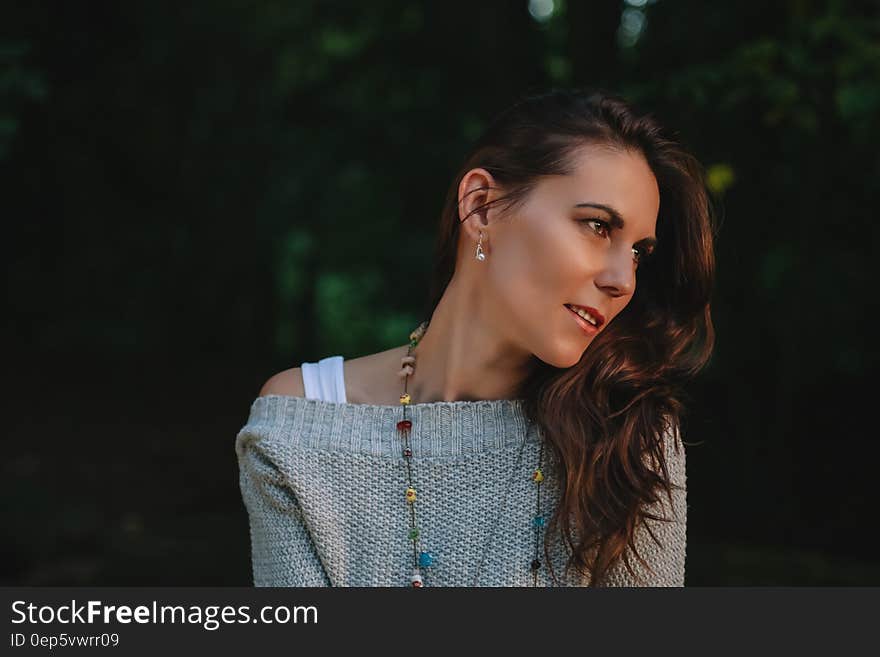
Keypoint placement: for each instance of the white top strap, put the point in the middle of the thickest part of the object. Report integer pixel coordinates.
(324, 380)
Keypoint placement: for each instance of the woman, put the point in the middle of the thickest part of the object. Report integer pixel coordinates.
(528, 434)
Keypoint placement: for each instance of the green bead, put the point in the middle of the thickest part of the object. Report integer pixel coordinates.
(413, 533)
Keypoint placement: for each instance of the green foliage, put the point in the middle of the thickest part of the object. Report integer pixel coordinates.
(719, 177)
(20, 85)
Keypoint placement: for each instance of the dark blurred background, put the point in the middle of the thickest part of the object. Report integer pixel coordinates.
(198, 195)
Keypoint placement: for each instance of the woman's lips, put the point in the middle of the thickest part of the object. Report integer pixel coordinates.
(595, 315)
(586, 327)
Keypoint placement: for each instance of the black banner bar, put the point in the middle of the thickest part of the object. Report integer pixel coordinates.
(232, 620)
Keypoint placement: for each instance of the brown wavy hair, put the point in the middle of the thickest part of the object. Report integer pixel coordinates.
(605, 418)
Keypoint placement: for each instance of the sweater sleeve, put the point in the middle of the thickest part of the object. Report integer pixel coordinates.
(282, 550)
(667, 560)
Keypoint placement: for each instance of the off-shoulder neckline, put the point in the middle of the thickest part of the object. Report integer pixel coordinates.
(518, 402)
(439, 429)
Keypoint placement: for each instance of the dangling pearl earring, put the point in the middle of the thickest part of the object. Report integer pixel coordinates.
(480, 255)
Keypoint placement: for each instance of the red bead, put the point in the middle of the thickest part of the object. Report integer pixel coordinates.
(404, 425)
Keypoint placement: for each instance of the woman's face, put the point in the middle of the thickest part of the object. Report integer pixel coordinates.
(576, 239)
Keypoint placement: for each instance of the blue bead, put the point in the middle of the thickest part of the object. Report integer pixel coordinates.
(425, 559)
(538, 521)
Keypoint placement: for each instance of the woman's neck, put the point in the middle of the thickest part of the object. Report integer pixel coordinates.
(461, 356)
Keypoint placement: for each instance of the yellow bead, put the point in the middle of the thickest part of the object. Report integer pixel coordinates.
(405, 398)
(417, 334)
(538, 476)
(410, 495)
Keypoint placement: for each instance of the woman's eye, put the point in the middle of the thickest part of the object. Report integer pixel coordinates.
(603, 229)
(603, 226)
(641, 254)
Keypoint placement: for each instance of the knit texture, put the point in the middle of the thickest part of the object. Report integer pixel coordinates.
(323, 483)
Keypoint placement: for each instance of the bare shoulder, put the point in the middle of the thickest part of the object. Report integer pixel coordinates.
(288, 382)
(369, 379)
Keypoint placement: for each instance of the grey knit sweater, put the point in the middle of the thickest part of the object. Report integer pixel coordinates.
(323, 483)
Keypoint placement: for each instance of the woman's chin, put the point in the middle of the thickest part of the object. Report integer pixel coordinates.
(565, 357)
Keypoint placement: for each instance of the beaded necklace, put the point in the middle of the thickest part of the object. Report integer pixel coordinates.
(423, 558)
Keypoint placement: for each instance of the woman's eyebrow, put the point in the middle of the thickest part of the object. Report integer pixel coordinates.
(616, 220)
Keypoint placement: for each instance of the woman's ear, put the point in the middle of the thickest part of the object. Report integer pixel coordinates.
(477, 188)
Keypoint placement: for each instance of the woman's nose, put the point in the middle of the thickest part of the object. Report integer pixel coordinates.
(618, 275)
